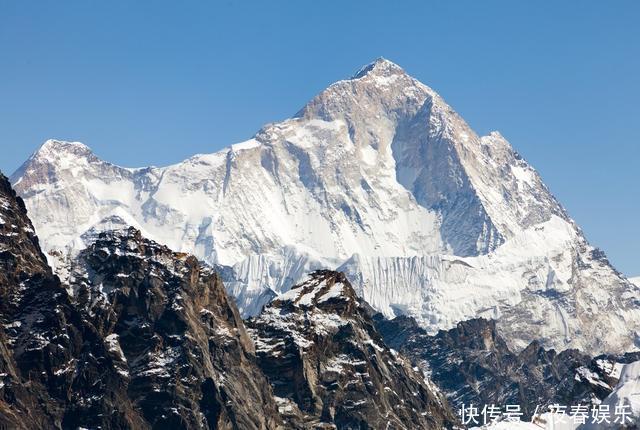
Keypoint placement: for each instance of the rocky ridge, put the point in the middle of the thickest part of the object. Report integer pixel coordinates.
(50, 352)
(472, 364)
(325, 360)
(147, 340)
(178, 342)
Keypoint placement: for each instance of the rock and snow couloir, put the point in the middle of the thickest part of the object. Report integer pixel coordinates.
(378, 176)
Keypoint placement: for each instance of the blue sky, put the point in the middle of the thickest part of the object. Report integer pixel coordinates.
(151, 82)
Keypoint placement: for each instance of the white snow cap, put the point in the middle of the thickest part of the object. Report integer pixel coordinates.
(53, 146)
(381, 67)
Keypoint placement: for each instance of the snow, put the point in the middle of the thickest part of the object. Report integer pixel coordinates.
(336, 290)
(305, 296)
(635, 280)
(314, 291)
(159, 361)
(306, 299)
(291, 295)
(327, 323)
(69, 366)
(523, 174)
(376, 175)
(249, 144)
(628, 389)
(374, 345)
(610, 368)
(625, 395)
(545, 421)
(591, 377)
(113, 346)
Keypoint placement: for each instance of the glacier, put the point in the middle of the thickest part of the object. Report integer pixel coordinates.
(376, 176)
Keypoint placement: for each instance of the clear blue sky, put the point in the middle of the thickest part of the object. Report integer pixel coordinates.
(151, 82)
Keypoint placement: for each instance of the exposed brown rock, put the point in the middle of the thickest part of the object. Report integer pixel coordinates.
(326, 362)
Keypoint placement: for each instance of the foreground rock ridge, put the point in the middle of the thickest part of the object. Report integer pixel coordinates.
(147, 340)
(181, 344)
(378, 176)
(325, 360)
(140, 337)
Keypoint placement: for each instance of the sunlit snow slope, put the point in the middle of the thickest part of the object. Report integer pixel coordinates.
(625, 395)
(376, 175)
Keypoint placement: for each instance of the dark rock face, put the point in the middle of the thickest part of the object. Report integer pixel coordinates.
(178, 342)
(48, 350)
(330, 368)
(472, 365)
(152, 341)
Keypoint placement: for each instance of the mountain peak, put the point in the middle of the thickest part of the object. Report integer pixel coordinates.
(380, 67)
(379, 89)
(53, 156)
(323, 288)
(324, 340)
(52, 148)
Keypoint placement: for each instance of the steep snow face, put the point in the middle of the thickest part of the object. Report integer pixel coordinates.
(625, 400)
(376, 174)
(635, 281)
(568, 293)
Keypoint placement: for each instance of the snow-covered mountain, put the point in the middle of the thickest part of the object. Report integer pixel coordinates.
(635, 280)
(150, 340)
(378, 176)
(624, 399)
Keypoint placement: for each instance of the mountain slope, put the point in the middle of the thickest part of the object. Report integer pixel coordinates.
(624, 399)
(181, 345)
(323, 357)
(472, 364)
(118, 354)
(376, 175)
(55, 371)
(141, 337)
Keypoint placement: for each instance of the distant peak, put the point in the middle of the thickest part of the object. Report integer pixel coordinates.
(380, 67)
(55, 144)
(55, 153)
(54, 149)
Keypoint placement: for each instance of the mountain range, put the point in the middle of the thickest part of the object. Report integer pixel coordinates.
(377, 177)
(141, 337)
